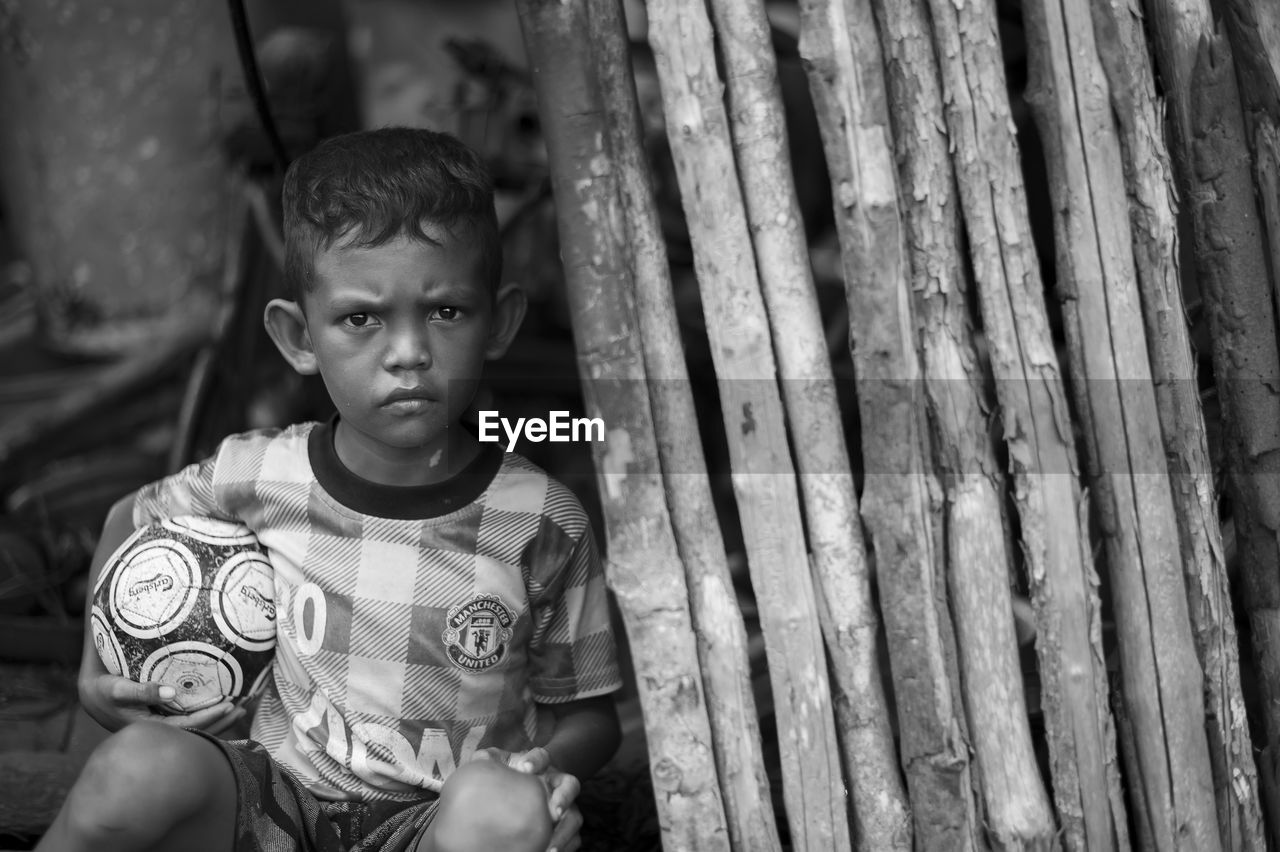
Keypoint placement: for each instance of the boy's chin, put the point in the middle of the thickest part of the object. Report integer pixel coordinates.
(455, 437)
(397, 434)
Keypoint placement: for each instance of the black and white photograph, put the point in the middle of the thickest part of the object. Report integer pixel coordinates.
(639, 425)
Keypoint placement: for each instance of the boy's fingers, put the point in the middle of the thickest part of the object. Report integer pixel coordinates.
(124, 691)
(534, 761)
(563, 795)
(225, 723)
(206, 719)
(492, 753)
(230, 715)
(564, 835)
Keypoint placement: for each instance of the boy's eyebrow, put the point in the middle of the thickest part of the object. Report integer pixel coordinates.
(460, 293)
(353, 300)
(434, 290)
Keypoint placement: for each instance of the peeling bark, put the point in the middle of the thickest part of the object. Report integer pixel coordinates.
(1176, 29)
(838, 554)
(1097, 285)
(1254, 29)
(1266, 170)
(643, 564)
(1037, 428)
(1232, 264)
(842, 57)
(1153, 219)
(721, 634)
(763, 477)
(1145, 840)
(1017, 809)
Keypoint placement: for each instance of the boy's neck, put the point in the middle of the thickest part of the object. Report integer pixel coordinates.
(431, 464)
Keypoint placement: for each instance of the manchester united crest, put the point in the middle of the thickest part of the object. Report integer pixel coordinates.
(478, 632)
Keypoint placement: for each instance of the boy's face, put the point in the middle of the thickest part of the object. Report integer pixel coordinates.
(399, 333)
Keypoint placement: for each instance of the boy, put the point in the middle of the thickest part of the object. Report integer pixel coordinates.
(431, 589)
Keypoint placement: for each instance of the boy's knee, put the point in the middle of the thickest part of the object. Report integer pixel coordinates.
(488, 805)
(147, 765)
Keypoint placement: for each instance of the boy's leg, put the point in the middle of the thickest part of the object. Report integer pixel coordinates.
(485, 806)
(149, 786)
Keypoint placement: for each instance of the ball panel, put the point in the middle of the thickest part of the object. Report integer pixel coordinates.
(104, 639)
(213, 531)
(242, 599)
(154, 588)
(202, 674)
(118, 555)
(188, 602)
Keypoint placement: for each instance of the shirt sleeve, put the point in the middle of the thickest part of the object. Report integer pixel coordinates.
(190, 491)
(573, 654)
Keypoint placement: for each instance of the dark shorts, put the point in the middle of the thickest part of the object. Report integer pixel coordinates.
(275, 813)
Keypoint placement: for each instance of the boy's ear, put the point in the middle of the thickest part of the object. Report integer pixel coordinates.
(509, 305)
(287, 327)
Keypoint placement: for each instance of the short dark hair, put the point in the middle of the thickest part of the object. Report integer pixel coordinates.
(372, 186)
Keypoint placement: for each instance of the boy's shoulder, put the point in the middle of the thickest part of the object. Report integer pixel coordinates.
(276, 438)
(226, 482)
(523, 486)
(272, 452)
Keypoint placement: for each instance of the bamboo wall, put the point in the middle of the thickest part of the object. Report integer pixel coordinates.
(1032, 440)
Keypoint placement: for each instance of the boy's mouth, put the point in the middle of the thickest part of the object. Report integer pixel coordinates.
(408, 399)
(407, 406)
(410, 393)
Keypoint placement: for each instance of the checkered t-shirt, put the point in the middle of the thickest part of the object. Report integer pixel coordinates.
(416, 624)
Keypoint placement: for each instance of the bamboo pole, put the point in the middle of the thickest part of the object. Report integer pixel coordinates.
(763, 477)
(1266, 169)
(644, 568)
(1153, 219)
(839, 558)
(1115, 401)
(721, 633)
(1037, 429)
(1180, 27)
(1144, 836)
(1018, 813)
(1254, 30)
(838, 44)
(1176, 29)
(1232, 265)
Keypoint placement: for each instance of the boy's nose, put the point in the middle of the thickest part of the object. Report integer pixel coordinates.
(407, 349)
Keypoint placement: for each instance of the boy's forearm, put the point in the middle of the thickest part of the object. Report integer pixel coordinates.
(586, 735)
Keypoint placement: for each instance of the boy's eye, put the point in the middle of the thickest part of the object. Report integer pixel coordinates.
(358, 320)
(448, 313)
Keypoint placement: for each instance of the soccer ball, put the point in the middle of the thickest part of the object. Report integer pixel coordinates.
(188, 602)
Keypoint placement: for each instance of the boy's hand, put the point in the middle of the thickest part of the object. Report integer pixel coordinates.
(116, 702)
(562, 788)
(562, 791)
